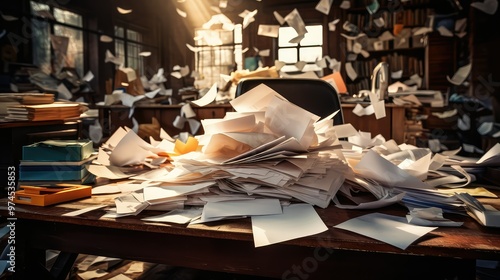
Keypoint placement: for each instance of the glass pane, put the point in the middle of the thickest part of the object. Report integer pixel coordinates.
(41, 42)
(310, 54)
(36, 7)
(119, 32)
(285, 34)
(134, 35)
(41, 45)
(208, 37)
(313, 37)
(119, 48)
(74, 54)
(238, 34)
(238, 57)
(68, 17)
(289, 68)
(133, 59)
(287, 55)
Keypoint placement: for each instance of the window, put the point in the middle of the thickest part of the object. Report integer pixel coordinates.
(128, 45)
(65, 24)
(309, 50)
(219, 52)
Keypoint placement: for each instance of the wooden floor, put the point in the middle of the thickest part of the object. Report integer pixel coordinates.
(126, 269)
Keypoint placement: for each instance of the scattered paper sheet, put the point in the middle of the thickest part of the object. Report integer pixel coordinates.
(181, 13)
(268, 30)
(431, 216)
(124, 11)
(178, 216)
(297, 220)
(264, 206)
(389, 229)
(460, 76)
(346, 4)
(279, 18)
(84, 210)
(208, 98)
(488, 6)
(248, 17)
(374, 166)
(295, 20)
(332, 25)
(350, 71)
(324, 6)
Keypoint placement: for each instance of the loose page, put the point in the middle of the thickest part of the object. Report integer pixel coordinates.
(297, 220)
(386, 228)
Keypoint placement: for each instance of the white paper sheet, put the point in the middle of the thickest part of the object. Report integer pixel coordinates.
(386, 228)
(297, 220)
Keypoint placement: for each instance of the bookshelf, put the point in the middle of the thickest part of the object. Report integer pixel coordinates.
(387, 35)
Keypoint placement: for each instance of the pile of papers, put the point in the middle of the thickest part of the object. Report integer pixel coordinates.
(270, 158)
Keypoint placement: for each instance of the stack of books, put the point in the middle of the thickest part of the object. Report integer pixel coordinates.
(53, 162)
(44, 112)
(14, 99)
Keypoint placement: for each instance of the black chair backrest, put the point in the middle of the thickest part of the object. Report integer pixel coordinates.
(314, 95)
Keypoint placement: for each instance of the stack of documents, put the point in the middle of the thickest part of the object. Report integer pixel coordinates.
(56, 161)
(44, 112)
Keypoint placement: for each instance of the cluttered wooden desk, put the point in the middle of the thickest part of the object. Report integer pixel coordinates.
(446, 253)
(111, 117)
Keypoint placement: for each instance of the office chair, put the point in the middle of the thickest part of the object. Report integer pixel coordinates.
(314, 95)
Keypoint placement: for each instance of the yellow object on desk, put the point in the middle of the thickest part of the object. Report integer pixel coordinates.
(44, 196)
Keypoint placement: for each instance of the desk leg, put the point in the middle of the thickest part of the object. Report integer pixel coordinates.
(31, 261)
(63, 265)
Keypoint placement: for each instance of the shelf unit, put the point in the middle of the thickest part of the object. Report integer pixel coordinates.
(404, 52)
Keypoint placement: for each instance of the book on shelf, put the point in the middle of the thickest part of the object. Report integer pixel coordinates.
(44, 112)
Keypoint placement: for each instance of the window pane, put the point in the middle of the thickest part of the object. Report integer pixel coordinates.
(41, 35)
(74, 54)
(208, 37)
(41, 45)
(310, 54)
(285, 34)
(133, 35)
(287, 55)
(313, 37)
(119, 32)
(133, 59)
(120, 49)
(67, 17)
(238, 34)
(37, 7)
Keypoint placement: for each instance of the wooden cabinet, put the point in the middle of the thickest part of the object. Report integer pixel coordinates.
(393, 126)
(114, 116)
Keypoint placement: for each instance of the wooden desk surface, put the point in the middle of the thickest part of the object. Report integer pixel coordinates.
(228, 245)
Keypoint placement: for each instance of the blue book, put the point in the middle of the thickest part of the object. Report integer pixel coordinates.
(58, 150)
(52, 172)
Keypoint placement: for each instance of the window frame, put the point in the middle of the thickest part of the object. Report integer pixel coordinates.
(235, 47)
(289, 67)
(35, 19)
(129, 44)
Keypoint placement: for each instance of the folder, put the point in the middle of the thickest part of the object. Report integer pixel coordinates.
(44, 196)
